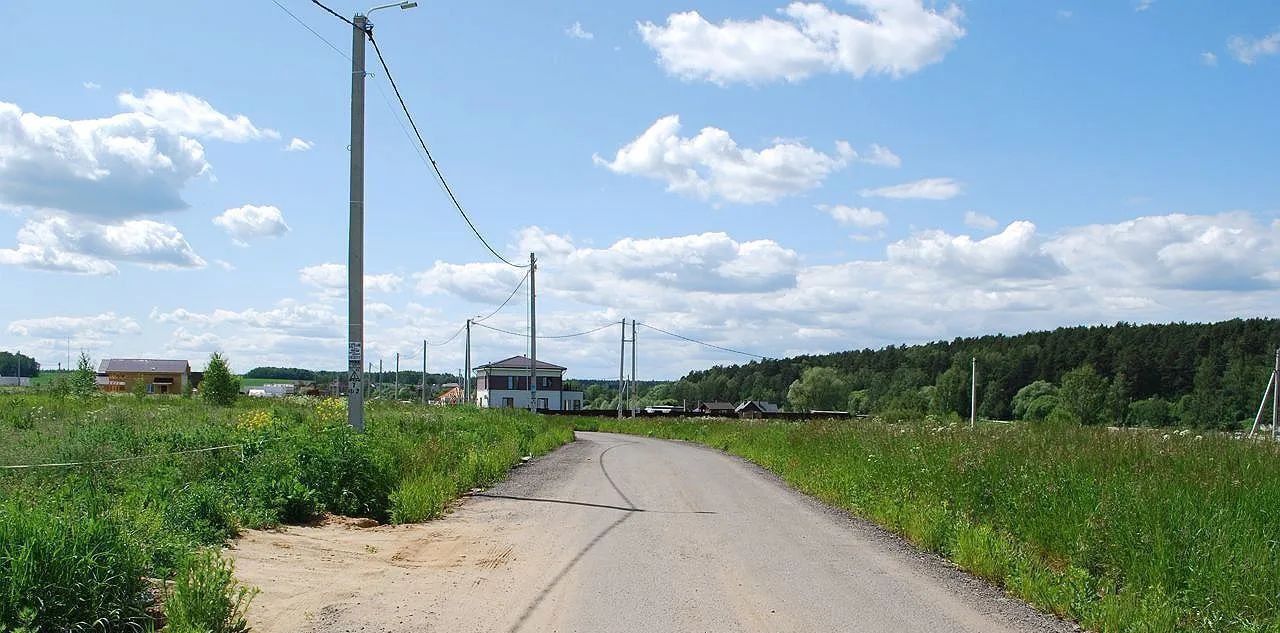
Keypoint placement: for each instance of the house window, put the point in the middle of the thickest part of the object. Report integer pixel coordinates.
(508, 403)
(542, 403)
(511, 382)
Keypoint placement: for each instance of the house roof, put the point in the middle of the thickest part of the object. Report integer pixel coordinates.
(715, 406)
(138, 365)
(518, 362)
(759, 405)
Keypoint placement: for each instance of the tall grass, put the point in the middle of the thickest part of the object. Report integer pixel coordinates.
(1120, 531)
(77, 543)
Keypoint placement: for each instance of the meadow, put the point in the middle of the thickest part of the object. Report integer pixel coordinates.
(132, 544)
(1120, 531)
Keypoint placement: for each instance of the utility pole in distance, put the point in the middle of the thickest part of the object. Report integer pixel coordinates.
(397, 396)
(622, 356)
(424, 371)
(533, 334)
(634, 399)
(466, 360)
(973, 392)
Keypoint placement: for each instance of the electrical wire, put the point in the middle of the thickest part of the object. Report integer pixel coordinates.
(448, 340)
(591, 331)
(691, 340)
(430, 159)
(504, 303)
(313, 31)
(333, 13)
(435, 167)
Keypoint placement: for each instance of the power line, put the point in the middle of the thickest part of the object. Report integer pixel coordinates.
(313, 31)
(435, 167)
(504, 303)
(333, 13)
(591, 331)
(691, 340)
(448, 340)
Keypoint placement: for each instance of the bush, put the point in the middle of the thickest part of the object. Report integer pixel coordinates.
(206, 597)
(219, 387)
(1152, 412)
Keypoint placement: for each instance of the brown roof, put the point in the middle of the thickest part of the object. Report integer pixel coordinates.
(141, 365)
(518, 362)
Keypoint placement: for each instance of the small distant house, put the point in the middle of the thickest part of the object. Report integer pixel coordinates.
(273, 390)
(505, 384)
(755, 409)
(159, 376)
(452, 394)
(714, 408)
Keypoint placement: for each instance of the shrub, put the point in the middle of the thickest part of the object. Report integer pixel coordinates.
(219, 386)
(206, 597)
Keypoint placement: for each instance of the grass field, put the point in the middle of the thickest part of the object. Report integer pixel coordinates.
(85, 547)
(1121, 531)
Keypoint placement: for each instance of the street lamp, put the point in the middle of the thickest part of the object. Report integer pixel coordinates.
(355, 245)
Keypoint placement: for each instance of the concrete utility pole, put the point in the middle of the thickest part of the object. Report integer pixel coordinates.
(1273, 385)
(633, 400)
(622, 356)
(466, 360)
(533, 334)
(397, 396)
(424, 371)
(973, 392)
(355, 242)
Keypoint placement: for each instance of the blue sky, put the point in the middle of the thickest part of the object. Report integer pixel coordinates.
(777, 178)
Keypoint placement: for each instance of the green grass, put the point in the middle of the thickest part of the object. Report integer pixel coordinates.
(1120, 531)
(76, 544)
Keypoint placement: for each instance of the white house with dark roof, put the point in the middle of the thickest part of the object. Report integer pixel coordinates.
(505, 384)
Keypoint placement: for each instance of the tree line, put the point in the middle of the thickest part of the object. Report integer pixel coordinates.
(1187, 374)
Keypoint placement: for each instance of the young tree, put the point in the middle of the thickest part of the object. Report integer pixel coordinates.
(819, 388)
(219, 386)
(83, 381)
(1083, 395)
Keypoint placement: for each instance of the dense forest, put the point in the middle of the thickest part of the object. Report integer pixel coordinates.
(18, 364)
(1189, 374)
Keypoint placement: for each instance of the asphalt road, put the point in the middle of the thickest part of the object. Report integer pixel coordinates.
(619, 533)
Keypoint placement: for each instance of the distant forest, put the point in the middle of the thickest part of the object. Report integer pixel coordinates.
(1188, 374)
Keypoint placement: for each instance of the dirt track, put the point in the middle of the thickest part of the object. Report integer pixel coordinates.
(617, 533)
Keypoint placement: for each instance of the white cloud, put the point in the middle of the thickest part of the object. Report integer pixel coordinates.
(298, 145)
(926, 189)
(861, 217)
(1143, 5)
(331, 280)
(1064, 14)
(91, 85)
(882, 156)
(79, 327)
(576, 31)
(65, 244)
(187, 114)
(224, 264)
(123, 165)
(250, 222)
(712, 165)
(1247, 50)
(894, 38)
(1208, 59)
(979, 221)
(309, 320)
(1229, 251)
(1016, 252)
